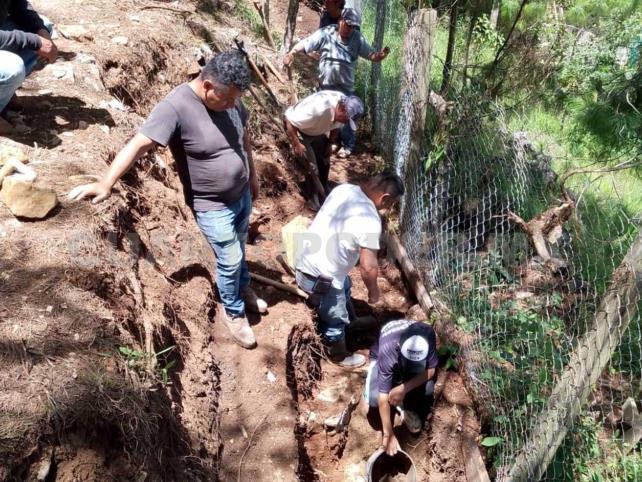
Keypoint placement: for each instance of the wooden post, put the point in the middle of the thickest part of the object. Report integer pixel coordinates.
(375, 73)
(415, 91)
(290, 25)
(619, 305)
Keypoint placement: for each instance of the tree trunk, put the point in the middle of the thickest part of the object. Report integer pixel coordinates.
(501, 49)
(469, 38)
(375, 73)
(593, 353)
(290, 25)
(452, 36)
(494, 13)
(266, 11)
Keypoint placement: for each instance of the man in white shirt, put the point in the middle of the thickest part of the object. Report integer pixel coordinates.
(345, 231)
(310, 124)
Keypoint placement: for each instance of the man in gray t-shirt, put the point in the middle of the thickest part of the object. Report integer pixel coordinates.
(204, 125)
(339, 47)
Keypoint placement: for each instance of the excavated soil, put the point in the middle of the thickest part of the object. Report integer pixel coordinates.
(93, 291)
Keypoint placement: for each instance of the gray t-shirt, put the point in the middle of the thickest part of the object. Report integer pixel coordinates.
(338, 60)
(207, 146)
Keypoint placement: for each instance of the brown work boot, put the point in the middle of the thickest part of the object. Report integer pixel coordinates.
(339, 355)
(252, 302)
(239, 328)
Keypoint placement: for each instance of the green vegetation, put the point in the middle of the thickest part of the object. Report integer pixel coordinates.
(141, 361)
(569, 74)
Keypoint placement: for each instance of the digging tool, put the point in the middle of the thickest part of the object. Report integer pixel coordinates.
(282, 286)
(240, 45)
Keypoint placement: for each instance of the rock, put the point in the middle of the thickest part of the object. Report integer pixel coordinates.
(120, 40)
(75, 32)
(82, 125)
(12, 150)
(26, 200)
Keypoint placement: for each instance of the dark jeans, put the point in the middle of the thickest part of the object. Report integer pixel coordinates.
(317, 148)
(334, 308)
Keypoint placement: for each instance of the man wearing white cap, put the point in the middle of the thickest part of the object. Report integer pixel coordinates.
(402, 365)
(339, 47)
(311, 123)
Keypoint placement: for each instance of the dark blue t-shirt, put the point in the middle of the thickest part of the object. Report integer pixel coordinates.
(387, 352)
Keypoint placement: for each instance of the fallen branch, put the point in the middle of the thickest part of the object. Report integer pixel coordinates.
(249, 444)
(282, 286)
(266, 27)
(165, 7)
(272, 69)
(620, 167)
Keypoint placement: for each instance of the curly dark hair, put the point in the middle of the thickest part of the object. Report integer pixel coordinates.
(228, 68)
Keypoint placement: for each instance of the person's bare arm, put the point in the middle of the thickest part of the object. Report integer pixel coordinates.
(293, 136)
(125, 159)
(389, 442)
(369, 269)
(298, 48)
(398, 393)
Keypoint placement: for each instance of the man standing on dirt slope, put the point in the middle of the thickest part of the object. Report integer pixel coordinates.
(346, 229)
(310, 126)
(24, 37)
(205, 126)
(339, 48)
(400, 376)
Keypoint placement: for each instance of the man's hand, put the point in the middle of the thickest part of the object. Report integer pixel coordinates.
(396, 396)
(379, 56)
(390, 444)
(97, 190)
(254, 187)
(47, 50)
(373, 295)
(314, 55)
(300, 150)
(287, 60)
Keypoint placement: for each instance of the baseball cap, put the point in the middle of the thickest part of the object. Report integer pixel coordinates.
(414, 347)
(354, 109)
(351, 17)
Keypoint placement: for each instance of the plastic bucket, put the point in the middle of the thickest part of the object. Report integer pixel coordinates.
(382, 467)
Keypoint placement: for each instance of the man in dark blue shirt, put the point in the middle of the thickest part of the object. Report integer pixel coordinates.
(402, 366)
(24, 38)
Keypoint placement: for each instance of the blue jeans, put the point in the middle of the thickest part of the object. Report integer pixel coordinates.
(348, 137)
(226, 231)
(15, 66)
(334, 308)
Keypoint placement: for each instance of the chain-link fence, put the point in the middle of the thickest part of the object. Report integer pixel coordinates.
(525, 254)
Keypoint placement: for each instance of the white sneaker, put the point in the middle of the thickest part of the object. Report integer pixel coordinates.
(343, 153)
(412, 421)
(252, 302)
(239, 327)
(355, 360)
